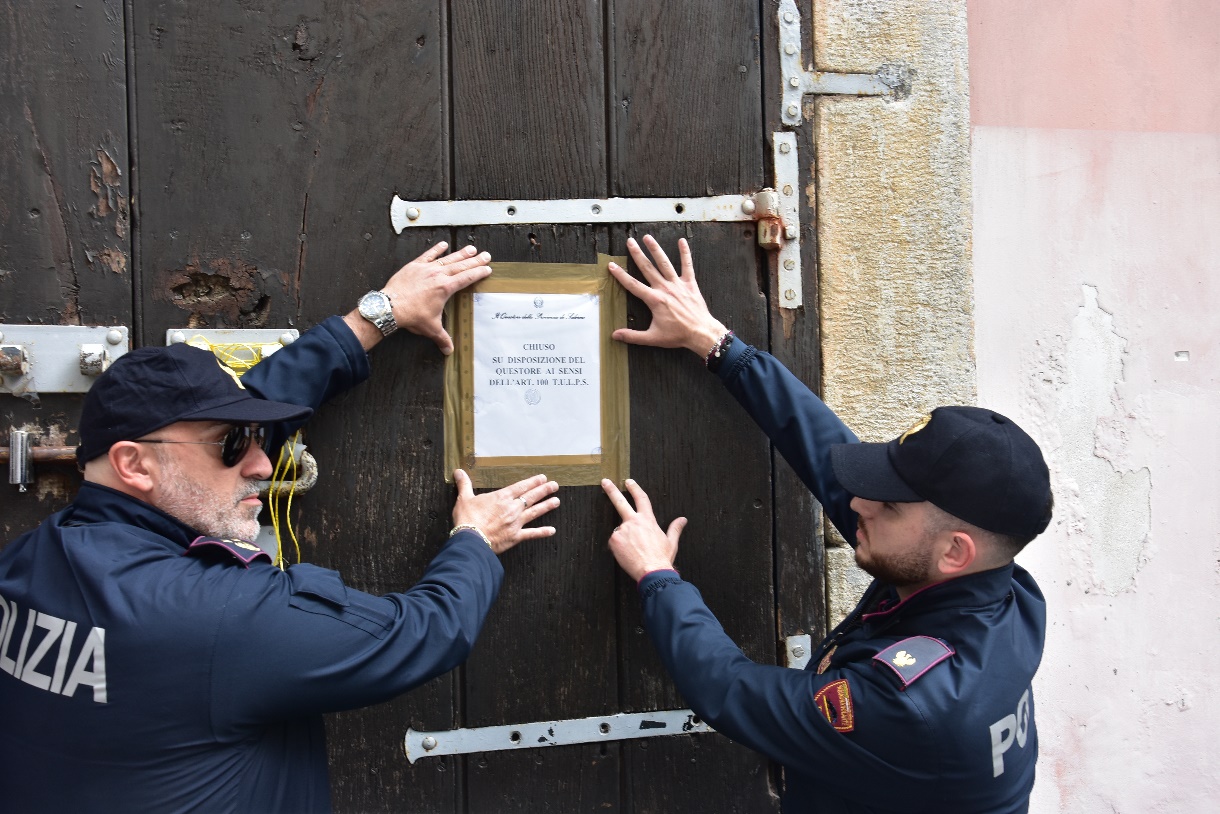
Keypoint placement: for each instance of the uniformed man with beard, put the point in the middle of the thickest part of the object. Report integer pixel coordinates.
(921, 700)
(151, 657)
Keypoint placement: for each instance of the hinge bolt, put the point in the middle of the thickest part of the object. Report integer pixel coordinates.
(789, 49)
(797, 651)
(790, 295)
(793, 110)
(788, 17)
(114, 336)
(412, 213)
(177, 338)
(747, 206)
(794, 82)
(787, 189)
(286, 338)
(785, 147)
(429, 743)
(789, 265)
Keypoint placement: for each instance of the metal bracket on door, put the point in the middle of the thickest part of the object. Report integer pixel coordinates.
(56, 358)
(624, 726)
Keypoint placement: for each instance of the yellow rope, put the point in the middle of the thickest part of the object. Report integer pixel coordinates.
(240, 357)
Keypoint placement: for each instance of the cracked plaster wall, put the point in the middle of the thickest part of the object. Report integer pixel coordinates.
(1097, 273)
(893, 204)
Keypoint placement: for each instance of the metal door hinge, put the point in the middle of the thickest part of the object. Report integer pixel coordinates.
(623, 726)
(797, 650)
(38, 359)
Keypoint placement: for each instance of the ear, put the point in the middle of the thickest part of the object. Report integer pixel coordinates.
(958, 555)
(134, 467)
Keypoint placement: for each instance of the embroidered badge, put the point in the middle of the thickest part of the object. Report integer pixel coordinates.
(911, 658)
(824, 664)
(240, 550)
(904, 659)
(834, 701)
(916, 427)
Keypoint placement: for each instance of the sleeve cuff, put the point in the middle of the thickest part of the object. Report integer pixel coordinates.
(654, 581)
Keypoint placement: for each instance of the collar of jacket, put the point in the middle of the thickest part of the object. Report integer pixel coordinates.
(101, 504)
(972, 590)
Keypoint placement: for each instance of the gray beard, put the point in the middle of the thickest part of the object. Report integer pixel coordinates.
(186, 500)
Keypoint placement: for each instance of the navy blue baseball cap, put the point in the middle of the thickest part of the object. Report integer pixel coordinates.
(971, 462)
(150, 388)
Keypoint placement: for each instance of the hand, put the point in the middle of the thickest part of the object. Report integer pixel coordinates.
(680, 316)
(500, 515)
(420, 289)
(638, 544)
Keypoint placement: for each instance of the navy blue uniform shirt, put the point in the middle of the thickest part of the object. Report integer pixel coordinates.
(923, 705)
(134, 678)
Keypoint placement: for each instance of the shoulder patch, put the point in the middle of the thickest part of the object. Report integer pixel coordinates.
(240, 550)
(911, 658)
(834, 702)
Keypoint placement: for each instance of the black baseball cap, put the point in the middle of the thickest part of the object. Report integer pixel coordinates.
(971, 462)
(150, 388)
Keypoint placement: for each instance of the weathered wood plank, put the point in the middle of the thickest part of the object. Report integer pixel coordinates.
(548, 649)
(65, 220)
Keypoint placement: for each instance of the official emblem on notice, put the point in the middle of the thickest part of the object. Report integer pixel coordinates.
(834, 701)
(538, 302)
(532, 397)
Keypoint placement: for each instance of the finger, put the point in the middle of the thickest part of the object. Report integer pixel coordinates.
(536, 510)
(535, 533)
(660, 258)
(643, 263)
(460, 254)
(462, 480)
(642, 504)
(434, 252)
(468, 278)
(463, 263)
(539, 493)
(687, 260)
(518, 489)
(617, 500)
(443, 340)
(633, 286)
(675, 529)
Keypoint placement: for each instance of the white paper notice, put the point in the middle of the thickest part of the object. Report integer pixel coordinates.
(537, 375)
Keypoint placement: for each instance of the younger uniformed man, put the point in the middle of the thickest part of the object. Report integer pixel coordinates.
(921, 700)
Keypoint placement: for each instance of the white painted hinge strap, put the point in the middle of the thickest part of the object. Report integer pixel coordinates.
(798, 81)
(414, 214)
(623, 726)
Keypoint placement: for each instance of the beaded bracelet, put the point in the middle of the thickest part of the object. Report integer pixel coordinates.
(718, 350)
(475, 529)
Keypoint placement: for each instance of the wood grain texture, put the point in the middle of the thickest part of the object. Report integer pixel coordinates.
(272, 140)
(686, 110)
(548, 649)
(65, 201)
(528, 99)
(698, 454)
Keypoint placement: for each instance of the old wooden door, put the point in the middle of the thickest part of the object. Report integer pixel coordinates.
(260, 144)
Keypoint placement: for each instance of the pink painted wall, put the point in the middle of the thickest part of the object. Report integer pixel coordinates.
(1096, 165)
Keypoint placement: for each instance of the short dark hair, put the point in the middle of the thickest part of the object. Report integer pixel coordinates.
(1006, 546)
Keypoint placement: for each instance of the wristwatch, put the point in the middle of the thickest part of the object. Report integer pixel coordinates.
(375, 307)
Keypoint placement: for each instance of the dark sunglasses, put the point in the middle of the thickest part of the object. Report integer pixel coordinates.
(232, 447)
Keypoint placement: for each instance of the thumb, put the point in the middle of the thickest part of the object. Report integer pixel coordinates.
(675, 530)
(463, 483)
(630, 336)
(440, 336)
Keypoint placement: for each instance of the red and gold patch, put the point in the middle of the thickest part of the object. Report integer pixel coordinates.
(834, 701)
(824, 664)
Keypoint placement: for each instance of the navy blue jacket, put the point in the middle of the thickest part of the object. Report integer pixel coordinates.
(923, 705)
(134, 678)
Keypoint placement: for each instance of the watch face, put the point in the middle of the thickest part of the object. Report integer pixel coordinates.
(373, 304)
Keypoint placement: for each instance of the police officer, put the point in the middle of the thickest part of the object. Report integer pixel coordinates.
(920, 701)
(151, 657)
